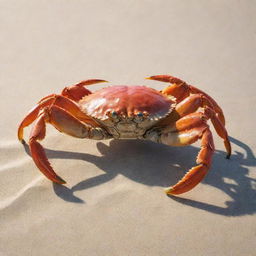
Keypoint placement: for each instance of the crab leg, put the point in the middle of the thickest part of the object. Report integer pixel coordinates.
(186, 109)
(38, 153)
(57, 100)
(196, 173)
(64, 122)
(192, 103)
(31, 117)
(77, 92)
(70, 106)
(74, 92)
(220, 129)
(186, 131)
(180, 90)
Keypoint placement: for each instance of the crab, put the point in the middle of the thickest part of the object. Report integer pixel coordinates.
(175, 116)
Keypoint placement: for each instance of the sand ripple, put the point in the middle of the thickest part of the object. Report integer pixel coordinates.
(9, 200)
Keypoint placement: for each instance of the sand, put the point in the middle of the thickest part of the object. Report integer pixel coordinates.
(113, 203)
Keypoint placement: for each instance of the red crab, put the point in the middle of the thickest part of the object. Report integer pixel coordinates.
(175, 116)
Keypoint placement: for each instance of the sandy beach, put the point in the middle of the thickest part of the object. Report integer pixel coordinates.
(113, 202)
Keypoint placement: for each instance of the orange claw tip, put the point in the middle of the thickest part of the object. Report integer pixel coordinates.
(161, 78)
(90, 82)
(62, 181)
(173, 192)
(169, 191)
(154, 77)
(59, 180)
(20, 133)
(96, 81)
(101, 81)
(22, 141)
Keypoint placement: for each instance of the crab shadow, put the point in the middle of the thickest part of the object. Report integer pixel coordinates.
(159, 165)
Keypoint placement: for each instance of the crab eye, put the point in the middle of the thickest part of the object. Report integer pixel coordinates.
(140, 114)
(114, 113)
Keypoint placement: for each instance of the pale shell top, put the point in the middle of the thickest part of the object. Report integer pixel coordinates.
(126, 101)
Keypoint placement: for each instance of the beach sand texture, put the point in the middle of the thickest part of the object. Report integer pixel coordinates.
(113, 202)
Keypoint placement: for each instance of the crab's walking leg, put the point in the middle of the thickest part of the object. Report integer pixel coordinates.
(64, 122)
(192, 103)
(29, 118)
(38, 153)
(180, 90)
(187, 131)
(78, 91)
(57, 100)
(196, 173)
(71, 93)
(187, 107)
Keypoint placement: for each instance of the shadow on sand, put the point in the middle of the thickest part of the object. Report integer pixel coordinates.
(138, 160)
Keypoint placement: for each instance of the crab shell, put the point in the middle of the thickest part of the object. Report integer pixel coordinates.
(127, 111)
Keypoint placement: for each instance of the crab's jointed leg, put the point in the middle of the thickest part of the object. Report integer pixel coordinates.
(64, 122)
(78, 91)
(180, 90)
(188, 130)
(189, 103)
(192, 103)
(56, 100)
(66, 100)
(38, 153)
(196, 173)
